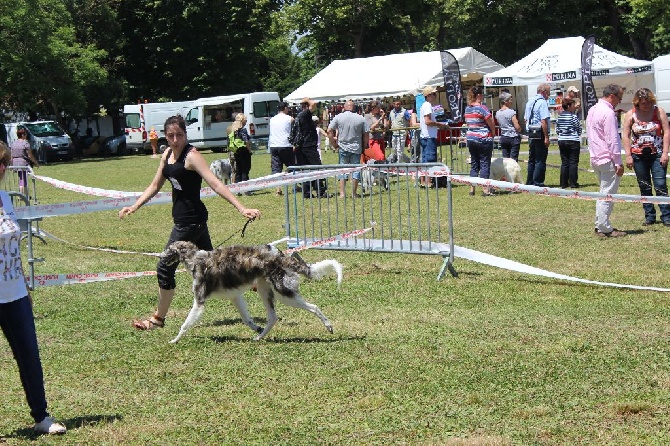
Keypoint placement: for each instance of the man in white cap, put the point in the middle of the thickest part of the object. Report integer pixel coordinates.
(573, 93)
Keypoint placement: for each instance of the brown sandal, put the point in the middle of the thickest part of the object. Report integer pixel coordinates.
(149, 324)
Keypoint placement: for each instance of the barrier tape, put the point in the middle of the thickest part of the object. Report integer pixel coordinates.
(557, 192)
(43, 280)
(115, 202)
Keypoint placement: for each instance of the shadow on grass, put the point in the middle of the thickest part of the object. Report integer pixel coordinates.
(70, 423)
(295, 340)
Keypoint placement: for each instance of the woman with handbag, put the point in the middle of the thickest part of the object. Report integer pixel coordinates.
(239, 144)
(22, 155)
(646, 137)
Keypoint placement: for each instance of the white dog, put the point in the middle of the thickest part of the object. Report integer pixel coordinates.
(505, 169)
(222, 170)
(229, 272)
(371, 177)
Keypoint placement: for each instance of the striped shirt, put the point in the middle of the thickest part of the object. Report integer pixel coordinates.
(475, 118)
(568, 127)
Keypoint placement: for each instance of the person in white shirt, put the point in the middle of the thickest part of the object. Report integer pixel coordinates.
(281, 150)
(429, 127)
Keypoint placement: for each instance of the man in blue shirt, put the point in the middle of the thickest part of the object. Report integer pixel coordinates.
(537, 113)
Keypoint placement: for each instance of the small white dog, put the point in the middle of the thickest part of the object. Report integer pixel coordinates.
(222, 170)
(371, 177)
(505, 169)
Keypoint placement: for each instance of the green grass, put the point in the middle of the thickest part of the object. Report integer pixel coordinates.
(492, 357)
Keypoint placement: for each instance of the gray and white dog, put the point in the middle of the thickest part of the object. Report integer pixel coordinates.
(228, 272)
(222, 170)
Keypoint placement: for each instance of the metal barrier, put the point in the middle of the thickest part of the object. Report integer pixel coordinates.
(398, 215)
(25, 197)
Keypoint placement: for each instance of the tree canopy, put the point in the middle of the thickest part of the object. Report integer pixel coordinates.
(78, 55)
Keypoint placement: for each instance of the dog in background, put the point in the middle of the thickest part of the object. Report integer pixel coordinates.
(505, 169)
(372, 177)
(228, 272)
(222, 169)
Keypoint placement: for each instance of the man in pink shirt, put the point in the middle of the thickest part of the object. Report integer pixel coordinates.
(605, 150)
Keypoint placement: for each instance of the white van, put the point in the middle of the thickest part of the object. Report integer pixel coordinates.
(208, 119)
(662, 81)
(140, 118)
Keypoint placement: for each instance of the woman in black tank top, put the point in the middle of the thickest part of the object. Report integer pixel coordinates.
(185, 168)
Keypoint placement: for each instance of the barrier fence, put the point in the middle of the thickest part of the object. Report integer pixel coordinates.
(393, 213)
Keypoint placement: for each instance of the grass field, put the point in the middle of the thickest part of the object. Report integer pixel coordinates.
(492, 357)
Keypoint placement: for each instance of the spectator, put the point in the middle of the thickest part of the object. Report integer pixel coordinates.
(481, 129)
(16, 312)
(375, 120)
(352, 135)
(22, 155)
(240, 143)
(153, 140)
(605, 150)
(646, 137)
(537, 114)
(510, 138)
(306, 153)
(399, 119)
(569, 132)
(429, 127)
(281, 150)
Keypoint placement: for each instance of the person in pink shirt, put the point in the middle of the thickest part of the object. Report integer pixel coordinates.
(605, 150)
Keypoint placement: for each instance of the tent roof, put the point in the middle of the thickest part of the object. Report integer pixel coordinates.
(392, 75)
(560, 60)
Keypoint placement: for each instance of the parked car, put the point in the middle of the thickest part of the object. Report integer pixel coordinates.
(47, 140)
(113, 146)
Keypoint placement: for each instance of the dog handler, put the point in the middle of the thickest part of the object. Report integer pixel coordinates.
(185, 167)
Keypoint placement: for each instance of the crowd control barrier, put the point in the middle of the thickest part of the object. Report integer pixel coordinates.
(392, 214)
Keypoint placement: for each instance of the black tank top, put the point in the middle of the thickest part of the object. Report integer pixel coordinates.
(187, 208)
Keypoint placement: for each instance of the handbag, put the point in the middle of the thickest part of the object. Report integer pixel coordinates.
(535, 130)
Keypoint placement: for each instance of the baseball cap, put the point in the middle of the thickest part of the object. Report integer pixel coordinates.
(429, 90)
(573, 89)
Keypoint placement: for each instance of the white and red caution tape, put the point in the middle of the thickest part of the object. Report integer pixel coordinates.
(42, 280)
(557, 192)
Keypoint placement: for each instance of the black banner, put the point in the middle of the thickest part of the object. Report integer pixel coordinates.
(589, 97)
(452, 84)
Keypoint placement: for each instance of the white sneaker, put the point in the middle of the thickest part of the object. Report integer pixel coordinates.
(49, 426)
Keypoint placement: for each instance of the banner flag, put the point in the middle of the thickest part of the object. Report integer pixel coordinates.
(589, 97)
(452, 84)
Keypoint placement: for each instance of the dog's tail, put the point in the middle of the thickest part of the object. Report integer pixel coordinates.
(321, 269)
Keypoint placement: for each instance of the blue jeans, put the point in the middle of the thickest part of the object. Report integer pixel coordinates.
(198, 233)
(510, 147)
(349, 158)
(480, 158)
(537, 162)
(648, 171)
(428, 150)
(18, 325)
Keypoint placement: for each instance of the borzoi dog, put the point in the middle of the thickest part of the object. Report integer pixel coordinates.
(222, 170)
(229, 272)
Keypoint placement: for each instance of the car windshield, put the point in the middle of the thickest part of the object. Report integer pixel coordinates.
(45, 129)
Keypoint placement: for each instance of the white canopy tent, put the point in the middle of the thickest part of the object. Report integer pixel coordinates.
(558, 63)
(386, 76)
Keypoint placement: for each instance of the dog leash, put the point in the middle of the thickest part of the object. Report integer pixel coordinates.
(241, 232)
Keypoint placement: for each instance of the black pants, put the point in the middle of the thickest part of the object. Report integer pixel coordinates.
(243, 164)
(569, 162)
(309, 156)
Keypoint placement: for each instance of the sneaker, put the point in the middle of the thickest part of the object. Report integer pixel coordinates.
(613, 233)
(49, 426)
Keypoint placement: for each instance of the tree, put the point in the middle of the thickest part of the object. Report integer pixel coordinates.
(45, 70)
